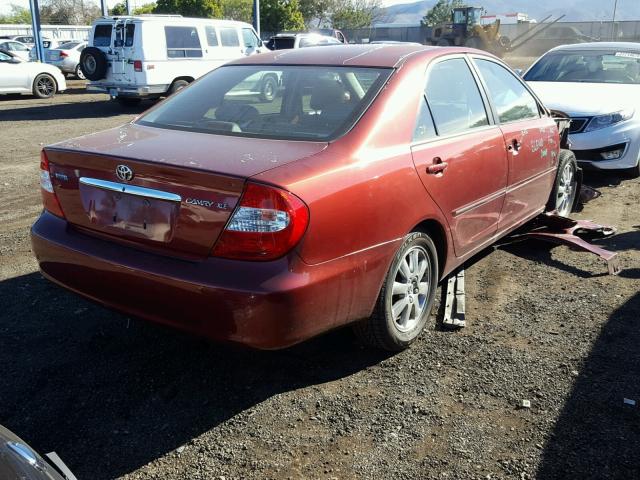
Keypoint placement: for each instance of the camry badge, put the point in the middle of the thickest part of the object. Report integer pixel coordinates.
(124, 173)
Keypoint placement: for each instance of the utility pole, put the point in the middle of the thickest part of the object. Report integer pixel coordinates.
(256, 16)
(129, 7)
(105, 9)
(613, 20)
(35, 26)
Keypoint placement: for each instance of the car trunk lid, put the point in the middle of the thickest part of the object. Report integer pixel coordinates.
(161, 190)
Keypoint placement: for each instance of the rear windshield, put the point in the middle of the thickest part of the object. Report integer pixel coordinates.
(589, 66)
(102, 36)
(283, 43)
(266, 101)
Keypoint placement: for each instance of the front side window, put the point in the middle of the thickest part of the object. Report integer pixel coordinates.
(303, 102)
(182, 42)
(229, 37)
(454, 98)
(512, 100)
(250, 39)
(102, 36)
(212, 37)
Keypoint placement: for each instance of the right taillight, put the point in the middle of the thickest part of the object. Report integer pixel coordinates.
(267, 224)
(49, 198)
(63, 54)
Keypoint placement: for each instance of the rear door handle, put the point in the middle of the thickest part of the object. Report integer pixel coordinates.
(514, 146)
(438, 166)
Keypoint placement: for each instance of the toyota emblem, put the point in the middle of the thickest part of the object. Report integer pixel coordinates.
(124, 173)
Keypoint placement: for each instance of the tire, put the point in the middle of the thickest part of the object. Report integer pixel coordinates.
(634, 172)
(398, 317)
(473, 42)
(129, 102)
(44, 86)
(177, 85)
(565, 188)
(443, 42)
(93, 63)
(79, 74)
(269, 89)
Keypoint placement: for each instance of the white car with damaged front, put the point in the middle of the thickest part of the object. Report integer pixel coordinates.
(598, 86)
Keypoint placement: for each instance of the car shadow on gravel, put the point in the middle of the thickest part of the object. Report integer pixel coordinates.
(110, 394)
(71, 111)
(597, 434)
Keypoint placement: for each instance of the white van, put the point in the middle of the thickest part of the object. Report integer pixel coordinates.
(148, 56)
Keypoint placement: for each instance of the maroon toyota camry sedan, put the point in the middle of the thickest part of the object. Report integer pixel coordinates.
(368, 175)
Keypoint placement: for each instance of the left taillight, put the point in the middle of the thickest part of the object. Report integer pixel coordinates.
(49, 198)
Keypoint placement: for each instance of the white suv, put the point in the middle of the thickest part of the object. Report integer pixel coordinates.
(148, 56)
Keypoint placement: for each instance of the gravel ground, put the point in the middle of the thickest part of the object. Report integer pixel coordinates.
(120, 398)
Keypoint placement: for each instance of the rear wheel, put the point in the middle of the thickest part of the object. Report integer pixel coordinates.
(406, 298)
(79, 73)
(177, 85)
(44, 86)
(565, 188)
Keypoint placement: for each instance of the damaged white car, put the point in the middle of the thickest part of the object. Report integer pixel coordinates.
(598, 86)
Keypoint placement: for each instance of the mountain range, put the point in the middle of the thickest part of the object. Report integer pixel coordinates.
(575, 10)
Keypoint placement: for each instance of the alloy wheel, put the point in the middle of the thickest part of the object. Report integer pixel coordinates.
(410, 289)
(566, 190)
(45, 86)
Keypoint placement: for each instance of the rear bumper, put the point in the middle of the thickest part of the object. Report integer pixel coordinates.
(265, 305)
(118, 90)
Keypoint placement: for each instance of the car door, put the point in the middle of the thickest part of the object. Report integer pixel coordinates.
(531, 140)
(459, 153)
(13, 76)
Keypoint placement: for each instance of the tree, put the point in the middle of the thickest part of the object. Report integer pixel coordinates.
(18, 15)
(318, 10)
(279, 15)
(69, 12)
(121, 9)
(241, 10)
(355, 13)
(190, 8)
(440, 12)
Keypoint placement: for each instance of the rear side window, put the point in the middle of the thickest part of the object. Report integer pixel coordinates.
(182, 42)
(511, 99)
(229, 37)
(102, 36)
(124, 36)
(454, 98)
(212, 37)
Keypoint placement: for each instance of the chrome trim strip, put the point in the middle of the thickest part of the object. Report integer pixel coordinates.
(131, 189)
(483, 201)
(530, 179)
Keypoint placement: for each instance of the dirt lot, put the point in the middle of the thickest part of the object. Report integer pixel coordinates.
(120, 398)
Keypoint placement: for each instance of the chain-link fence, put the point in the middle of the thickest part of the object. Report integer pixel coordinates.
(548, 36)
